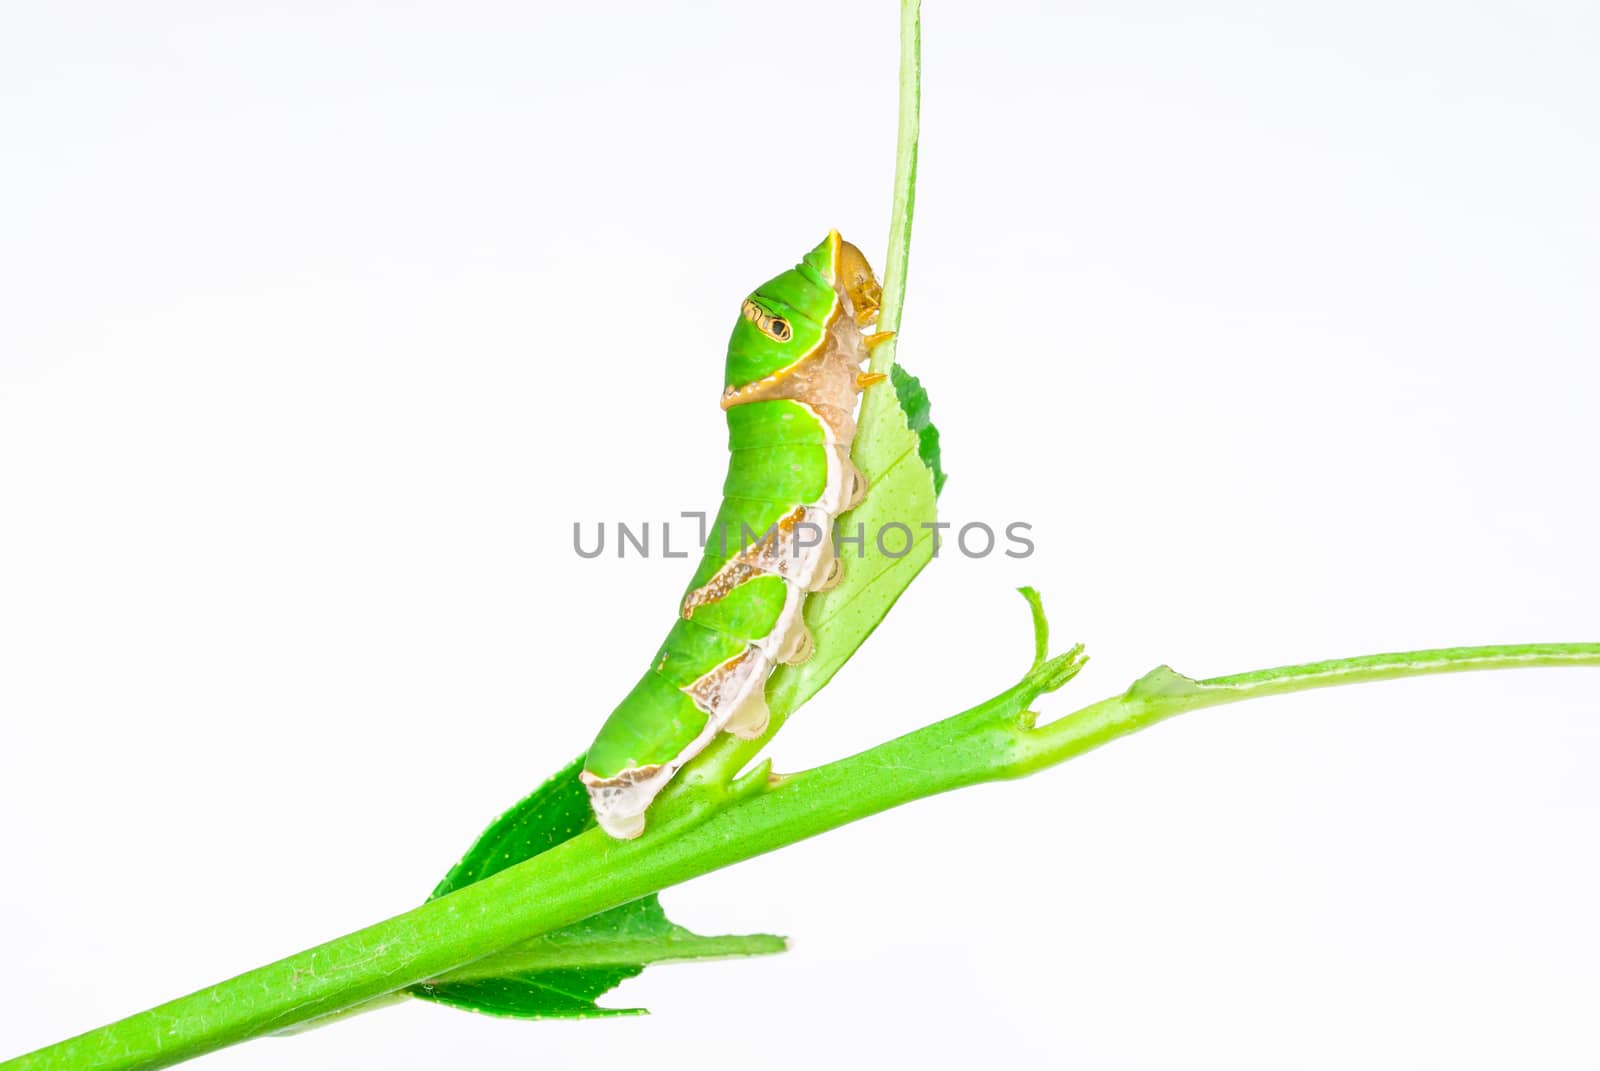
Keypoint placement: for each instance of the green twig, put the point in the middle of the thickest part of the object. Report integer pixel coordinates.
(995, 740)
(1163, 693)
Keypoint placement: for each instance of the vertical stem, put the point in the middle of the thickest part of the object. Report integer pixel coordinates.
(874, 402)
(905, 178)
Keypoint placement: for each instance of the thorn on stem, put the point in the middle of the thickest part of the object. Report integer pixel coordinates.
(754, 781)
(1041, 626)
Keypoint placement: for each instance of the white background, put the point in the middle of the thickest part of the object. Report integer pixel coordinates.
(321, 323)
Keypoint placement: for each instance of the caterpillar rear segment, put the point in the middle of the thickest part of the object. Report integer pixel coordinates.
(793, 377)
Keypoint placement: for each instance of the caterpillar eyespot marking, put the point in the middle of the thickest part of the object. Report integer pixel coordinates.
(792, 376)
(773, 326)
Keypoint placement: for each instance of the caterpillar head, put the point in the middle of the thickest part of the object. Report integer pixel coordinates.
(854, 276)
(788, 317)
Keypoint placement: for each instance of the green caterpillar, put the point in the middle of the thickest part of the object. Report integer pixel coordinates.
(793, 374)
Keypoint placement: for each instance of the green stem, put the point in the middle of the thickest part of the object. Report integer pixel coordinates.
(1163, 693)
(905, 177)
(898, 259)
(995, 740)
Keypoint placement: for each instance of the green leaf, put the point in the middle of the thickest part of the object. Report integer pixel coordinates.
(914, 401)
(899, 509)
(556, 811)
(554, 993)
(559, 975)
